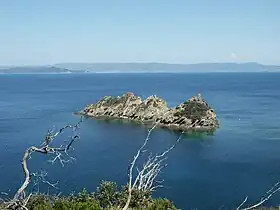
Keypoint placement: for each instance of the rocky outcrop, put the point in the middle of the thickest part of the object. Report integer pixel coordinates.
(193, 114)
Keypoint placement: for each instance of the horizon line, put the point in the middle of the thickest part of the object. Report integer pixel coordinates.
(166, 63)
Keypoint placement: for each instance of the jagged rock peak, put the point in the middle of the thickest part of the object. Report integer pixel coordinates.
(195, 113)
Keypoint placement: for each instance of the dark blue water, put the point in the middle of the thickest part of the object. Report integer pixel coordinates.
(207, 172)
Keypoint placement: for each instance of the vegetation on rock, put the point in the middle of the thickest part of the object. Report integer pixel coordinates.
(193, 114)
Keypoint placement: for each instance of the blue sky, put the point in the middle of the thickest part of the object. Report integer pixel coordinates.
(34, 32)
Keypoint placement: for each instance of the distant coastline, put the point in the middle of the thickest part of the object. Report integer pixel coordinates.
(79, 68)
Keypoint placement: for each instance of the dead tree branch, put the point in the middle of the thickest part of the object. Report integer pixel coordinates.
(265, 198)
(20, 198)
(146, 177)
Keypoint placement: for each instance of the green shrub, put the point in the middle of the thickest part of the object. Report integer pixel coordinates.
(76, 205)
(161, 204)
(139, 198)
(81, 201)
(193, 110)
(39, 202)
(107, 194)
(82, 196)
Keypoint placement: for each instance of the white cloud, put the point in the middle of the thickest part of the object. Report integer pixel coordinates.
(233, 56)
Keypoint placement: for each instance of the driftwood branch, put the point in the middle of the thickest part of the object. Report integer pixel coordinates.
(20, 198)
(265, 198)
(146, 176)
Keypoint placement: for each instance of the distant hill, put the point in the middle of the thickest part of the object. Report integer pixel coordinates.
(35, 69)
(164, 67)
(140, 67)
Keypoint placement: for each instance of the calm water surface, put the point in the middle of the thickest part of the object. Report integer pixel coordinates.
(205, 172)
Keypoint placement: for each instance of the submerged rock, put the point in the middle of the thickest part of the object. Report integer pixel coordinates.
(193, 114)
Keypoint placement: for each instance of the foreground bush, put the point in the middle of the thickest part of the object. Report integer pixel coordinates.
(107, 196)
(64, 204)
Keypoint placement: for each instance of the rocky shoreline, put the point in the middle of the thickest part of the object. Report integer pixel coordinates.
(193, 114)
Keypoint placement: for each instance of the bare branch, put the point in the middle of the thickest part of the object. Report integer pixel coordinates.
(245, 200)
(146, 176)
(20, 200)
(140, 150)
(265, 198)
(41, 178)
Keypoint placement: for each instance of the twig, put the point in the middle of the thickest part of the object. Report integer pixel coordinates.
(146, 176)
(265, 198)
(20, 200)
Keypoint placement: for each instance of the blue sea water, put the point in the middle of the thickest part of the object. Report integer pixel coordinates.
(204, 172)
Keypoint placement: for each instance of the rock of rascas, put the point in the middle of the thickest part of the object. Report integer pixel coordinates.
(193, 114)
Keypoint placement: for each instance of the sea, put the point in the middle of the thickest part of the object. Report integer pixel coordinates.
(204, 171)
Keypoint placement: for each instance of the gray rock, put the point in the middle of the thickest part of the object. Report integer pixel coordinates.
(193, 114)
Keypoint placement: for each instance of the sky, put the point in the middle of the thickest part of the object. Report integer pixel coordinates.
(39, 32)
